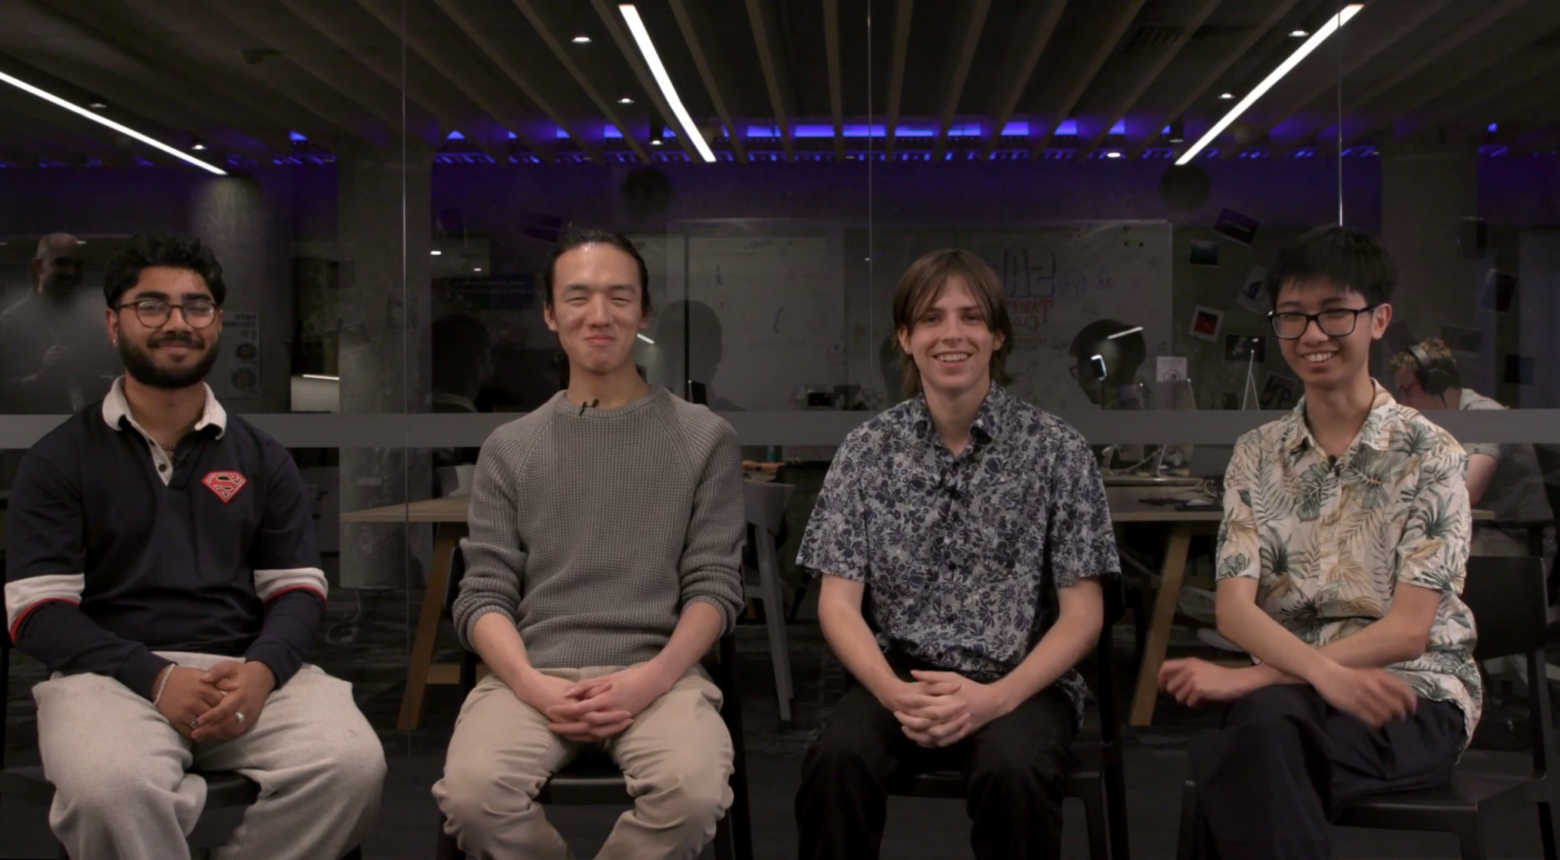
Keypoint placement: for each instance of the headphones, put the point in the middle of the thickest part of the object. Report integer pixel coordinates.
(1432, 374)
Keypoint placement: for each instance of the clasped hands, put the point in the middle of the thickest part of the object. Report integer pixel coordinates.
(939, 709)
(596, 709)
(205, 706)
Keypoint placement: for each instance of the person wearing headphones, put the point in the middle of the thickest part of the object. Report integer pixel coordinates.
(1502, 478)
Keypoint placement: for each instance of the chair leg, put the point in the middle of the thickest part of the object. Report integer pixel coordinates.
(725, 843)
(448, 848)
(774, 620)
(1186, 840)
(1546, 829)
(1094, 818)
(1116, 813)
(1470, 840)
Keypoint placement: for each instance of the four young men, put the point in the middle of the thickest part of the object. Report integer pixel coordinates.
(163, 567)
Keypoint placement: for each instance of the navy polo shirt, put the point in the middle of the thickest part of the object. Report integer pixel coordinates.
(117, 548)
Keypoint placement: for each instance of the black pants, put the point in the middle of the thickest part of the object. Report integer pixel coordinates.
(1014, 771)
(1286, 763)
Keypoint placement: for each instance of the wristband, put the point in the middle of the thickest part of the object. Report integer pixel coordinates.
(167, 673)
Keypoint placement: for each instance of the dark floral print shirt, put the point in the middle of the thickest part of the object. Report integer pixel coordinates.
(963, 555)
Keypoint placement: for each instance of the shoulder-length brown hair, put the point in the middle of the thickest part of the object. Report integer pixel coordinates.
(922, 284)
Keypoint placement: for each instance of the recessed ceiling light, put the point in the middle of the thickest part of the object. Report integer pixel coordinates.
(625, 101)
(198, 146)
(582, 39)
(1226, 96)
(97, 103)
(1298, 34)
(437, 253)
(1113, 154)
(656, 142)
(476, 268)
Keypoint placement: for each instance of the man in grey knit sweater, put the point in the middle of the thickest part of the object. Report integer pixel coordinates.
(603, 562)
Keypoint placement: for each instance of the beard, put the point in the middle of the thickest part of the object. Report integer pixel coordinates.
(139, 364)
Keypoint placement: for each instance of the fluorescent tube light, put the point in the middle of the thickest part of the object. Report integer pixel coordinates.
(1124, 333)
(321, 376)
(646, 340)
(1311, 44)
(663, 80)
(102, 120)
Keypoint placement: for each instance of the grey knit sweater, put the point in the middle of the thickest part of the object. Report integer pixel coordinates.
(592, 531)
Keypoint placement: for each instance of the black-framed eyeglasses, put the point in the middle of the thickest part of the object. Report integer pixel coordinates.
(1334, 322)
(155, 313)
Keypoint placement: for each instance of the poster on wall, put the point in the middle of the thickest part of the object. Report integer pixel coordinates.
(237, 373)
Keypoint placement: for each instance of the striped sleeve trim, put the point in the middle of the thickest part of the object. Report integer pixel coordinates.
(271, 584)
(25, 595)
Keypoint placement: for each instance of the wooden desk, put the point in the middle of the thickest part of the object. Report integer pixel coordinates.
(448, 515)
(1127, 506)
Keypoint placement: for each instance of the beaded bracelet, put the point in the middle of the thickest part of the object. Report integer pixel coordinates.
(167, 673)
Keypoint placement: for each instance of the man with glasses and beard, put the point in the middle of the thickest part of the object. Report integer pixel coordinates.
(162, 566)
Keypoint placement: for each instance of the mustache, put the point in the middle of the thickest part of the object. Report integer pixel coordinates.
(188, 340)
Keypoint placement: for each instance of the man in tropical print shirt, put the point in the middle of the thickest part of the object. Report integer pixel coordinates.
(1340, 560)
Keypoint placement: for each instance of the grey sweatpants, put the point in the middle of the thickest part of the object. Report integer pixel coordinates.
(120, 770)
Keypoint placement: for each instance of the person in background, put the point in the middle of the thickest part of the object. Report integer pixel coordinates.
(1339, 564)
(603, 562)
(54, 358)
(462, 365)
(959, 537)
(161, 564)
(1504, 479)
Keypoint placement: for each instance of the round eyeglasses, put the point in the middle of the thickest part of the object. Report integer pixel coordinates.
(1334, 322)
(155, 313)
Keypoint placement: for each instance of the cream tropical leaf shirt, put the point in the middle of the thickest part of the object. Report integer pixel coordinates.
(1328, 540)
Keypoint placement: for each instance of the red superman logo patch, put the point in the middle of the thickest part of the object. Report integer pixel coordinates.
(225, 484)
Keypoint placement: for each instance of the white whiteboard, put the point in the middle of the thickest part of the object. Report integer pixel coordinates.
(780, 298)
(1056, 280)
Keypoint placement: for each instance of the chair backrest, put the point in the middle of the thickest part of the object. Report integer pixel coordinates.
(452, 585)
(765, 503)
(1510, 609)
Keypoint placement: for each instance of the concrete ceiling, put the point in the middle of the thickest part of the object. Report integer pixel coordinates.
(245, 77)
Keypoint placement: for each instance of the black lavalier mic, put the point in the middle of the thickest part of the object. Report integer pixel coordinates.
(590, 405)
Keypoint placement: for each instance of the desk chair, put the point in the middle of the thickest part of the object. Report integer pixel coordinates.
(1506, 596)
(765, 504)
(593, 779)
(1097, 779)
(224, 789)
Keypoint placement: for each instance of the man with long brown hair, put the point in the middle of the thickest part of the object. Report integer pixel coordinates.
(958, 537)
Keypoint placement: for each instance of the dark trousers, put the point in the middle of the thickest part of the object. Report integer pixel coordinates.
(1286, 763)
(1014, 770)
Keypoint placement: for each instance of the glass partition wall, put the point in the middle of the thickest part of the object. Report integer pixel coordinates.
(383, 181)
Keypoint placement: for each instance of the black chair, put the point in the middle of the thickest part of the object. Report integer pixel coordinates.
(1097, 779)
(224, 789)
(1506, 596)
(593, 779)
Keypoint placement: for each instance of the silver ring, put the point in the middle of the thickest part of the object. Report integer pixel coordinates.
(195, 723)
(239, 715)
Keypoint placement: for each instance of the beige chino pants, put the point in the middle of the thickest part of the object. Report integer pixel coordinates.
(676, 758)
(120, 770)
